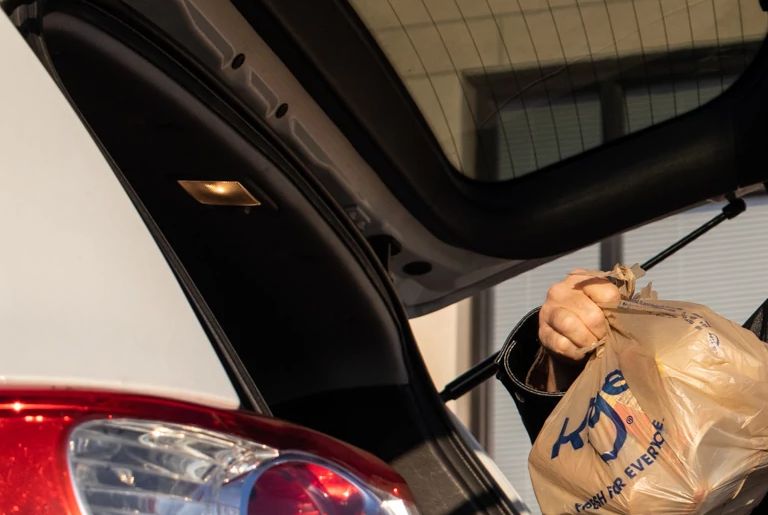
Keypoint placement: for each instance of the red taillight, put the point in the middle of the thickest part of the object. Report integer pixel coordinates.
(307, 488)
(333, 485)
(33, 469)
(109, 453)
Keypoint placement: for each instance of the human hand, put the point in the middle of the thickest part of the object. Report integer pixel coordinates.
(570, 318)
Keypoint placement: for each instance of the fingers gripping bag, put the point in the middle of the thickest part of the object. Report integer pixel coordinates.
(670, 415)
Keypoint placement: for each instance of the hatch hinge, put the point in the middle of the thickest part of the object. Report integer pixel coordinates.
(385, 247)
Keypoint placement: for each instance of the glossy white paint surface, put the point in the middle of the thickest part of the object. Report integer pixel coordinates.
(86, 297)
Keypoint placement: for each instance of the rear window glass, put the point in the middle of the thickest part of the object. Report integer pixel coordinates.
(511, 86)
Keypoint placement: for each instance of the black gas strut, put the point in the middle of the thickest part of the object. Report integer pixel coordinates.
(487, 368)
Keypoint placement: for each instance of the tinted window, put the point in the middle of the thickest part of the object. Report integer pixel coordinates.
(510, 86)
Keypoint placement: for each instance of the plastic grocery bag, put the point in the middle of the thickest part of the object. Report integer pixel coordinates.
(669, 416)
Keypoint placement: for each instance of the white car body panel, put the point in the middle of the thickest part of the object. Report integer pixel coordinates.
(87, 299)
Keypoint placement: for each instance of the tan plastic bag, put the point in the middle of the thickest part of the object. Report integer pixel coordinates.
(669, 416)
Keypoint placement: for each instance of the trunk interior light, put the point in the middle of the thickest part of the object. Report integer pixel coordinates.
(98, 453)
(219, 193)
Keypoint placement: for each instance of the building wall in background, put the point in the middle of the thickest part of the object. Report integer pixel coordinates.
(444, 341)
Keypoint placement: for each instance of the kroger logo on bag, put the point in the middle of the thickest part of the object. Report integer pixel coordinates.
(598, 410)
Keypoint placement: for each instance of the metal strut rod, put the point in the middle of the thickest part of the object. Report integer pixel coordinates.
(486, 369)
